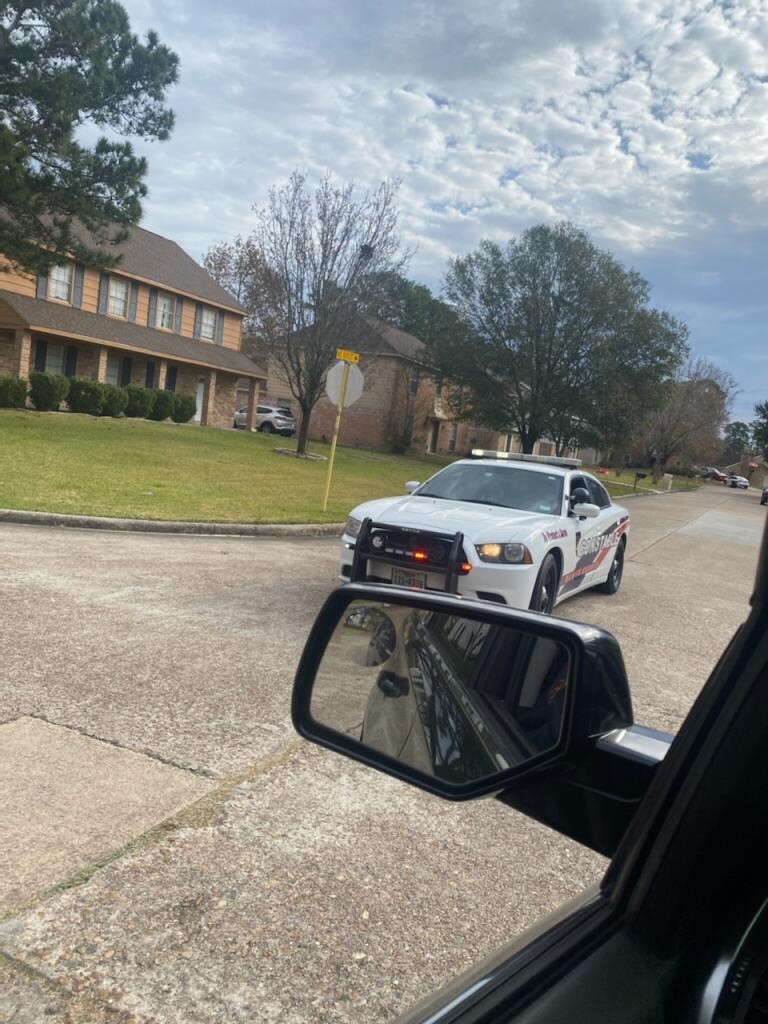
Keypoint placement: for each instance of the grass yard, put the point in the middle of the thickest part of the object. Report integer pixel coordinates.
(60, 462)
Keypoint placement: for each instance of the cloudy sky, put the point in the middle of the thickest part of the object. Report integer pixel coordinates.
(644, 122)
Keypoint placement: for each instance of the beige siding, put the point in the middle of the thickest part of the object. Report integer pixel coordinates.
(14, 281)
(188, 318)
(232, 331)
(91, 290)
(142, 305)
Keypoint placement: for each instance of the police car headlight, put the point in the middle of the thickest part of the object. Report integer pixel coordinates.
(509, 554)
(353, 526)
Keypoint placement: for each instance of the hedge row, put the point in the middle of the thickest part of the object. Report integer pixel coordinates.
(48, 391)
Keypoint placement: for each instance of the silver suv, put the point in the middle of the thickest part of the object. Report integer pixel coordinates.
(270, 419)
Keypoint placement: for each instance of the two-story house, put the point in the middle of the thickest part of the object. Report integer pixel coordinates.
(159, 320)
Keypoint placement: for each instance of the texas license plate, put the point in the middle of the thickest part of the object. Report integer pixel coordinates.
(409, 579)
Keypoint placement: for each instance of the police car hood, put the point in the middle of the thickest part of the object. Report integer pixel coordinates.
(482, 524)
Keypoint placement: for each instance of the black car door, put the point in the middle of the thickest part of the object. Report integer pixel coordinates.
(676, 930)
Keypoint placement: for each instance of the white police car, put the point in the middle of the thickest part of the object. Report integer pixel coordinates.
(522, 530)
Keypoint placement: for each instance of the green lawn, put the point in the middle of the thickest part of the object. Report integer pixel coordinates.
(59, 462)
(623, 484)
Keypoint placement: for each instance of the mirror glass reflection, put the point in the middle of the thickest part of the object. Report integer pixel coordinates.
(454, 697)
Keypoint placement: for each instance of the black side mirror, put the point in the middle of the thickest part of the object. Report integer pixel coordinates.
(464, 698)
(580, 496)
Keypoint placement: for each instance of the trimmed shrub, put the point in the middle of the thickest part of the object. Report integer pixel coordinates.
(186, 407)
(165, 403)
(86, 396)
(47, 390)
(140, 401)
(13, 392)
(115, 400)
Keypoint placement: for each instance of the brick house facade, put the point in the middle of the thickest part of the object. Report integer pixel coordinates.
(403, 406)
(158, 320)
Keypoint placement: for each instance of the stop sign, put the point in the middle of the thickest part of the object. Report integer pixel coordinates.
(355, 381)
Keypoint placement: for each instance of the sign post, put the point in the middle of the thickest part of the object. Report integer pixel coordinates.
(338, 389)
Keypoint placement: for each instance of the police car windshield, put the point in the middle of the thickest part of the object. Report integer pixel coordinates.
(505, 486)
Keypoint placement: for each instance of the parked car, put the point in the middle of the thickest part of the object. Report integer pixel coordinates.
(469, 699)
(764, 496)
(522, 530)
(713, 473)
(732, 480)
(270, 419)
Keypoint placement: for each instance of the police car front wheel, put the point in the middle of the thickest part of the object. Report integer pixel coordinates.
(545, 590)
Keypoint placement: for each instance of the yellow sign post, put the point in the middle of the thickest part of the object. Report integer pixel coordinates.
(347, 357)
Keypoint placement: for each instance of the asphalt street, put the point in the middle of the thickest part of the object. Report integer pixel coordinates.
(177, 855)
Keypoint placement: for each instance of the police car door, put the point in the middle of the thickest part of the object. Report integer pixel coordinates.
(607, 524)
(589, 539)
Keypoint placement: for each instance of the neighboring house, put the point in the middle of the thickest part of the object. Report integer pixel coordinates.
(159, 320)
(403, 407)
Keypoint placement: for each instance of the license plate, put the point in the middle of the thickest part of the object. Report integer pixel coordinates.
(409, 579)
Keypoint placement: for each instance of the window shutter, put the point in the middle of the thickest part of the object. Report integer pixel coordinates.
(152, 314)
(198, 319)
(41, 351)
(42, 286)
(179, 312)
(219, 328)
(125, 371)
(70, 364)
(103, 293)
(170, 378)
(77, 294)
(133, 300)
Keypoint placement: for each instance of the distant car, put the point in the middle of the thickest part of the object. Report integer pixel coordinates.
(712, 473)
(764, 496)
(270, 419)
(736, 481)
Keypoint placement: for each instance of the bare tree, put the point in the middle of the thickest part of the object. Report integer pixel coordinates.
(690, 421)
(304, 275)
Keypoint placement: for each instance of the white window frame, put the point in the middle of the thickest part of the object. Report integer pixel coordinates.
(116, 283)
(208, 319)
(57, 279)
(159, 312)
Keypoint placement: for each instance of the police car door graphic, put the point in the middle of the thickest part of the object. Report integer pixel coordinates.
(595, 541)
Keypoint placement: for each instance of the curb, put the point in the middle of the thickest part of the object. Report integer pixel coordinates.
(8, 515)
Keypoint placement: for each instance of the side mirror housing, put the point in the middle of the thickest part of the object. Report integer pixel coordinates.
(586, 510)
(461, 698)
(411, 485)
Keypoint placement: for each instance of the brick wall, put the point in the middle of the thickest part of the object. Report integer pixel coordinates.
(7, 354)
(223, 401)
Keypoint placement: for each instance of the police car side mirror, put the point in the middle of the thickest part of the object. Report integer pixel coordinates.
(460, 698)
(411, 486)
(586, 510)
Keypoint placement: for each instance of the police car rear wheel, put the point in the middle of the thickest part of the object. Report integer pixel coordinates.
(545, 590)
(613, 582)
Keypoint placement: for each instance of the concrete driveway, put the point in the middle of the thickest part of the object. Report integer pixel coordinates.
(175, 854)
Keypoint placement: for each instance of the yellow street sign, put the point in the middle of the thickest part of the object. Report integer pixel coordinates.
(348, 357)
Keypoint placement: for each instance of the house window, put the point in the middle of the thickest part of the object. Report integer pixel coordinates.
(118, 298)
(413, 382)
(113, 370)
(60, 283)
(54, 358)
(170, 378)
(208, 324)
(149, 376)
(165, 311)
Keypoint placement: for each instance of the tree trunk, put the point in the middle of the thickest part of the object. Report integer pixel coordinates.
(526, 443)
(302, 439)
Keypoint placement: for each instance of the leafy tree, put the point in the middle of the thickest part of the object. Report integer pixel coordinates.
(559, 338)
(304, 275)
(760, 428)
(738, 438)
(689, 422)
(65, 65)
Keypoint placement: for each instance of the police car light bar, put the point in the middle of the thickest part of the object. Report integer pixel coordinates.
(551, 460)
